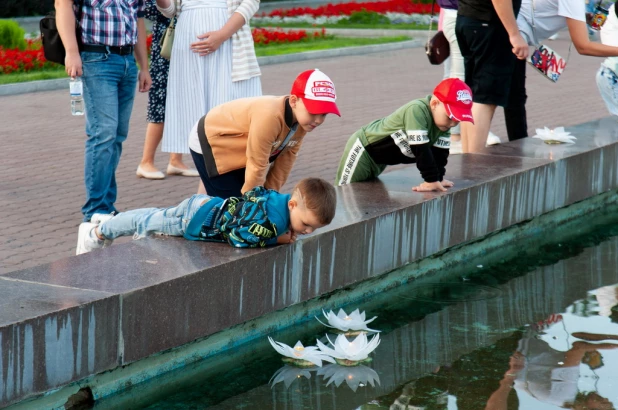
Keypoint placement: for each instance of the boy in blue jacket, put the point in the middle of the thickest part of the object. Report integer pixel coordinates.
(261, 217)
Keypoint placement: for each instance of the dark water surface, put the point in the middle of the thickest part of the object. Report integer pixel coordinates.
(536, 332)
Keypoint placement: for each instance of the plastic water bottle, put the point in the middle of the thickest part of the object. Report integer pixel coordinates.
(77, 99)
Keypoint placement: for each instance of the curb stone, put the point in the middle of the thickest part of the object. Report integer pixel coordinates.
(58, 84)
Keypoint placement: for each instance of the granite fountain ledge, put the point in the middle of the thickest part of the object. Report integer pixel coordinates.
(84, 315)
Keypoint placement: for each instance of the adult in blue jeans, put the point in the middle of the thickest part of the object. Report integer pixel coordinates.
(112, 38)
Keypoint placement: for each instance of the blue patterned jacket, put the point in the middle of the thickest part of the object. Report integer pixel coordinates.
(254, 220)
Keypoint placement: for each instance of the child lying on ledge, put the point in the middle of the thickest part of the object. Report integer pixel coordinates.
(261, 217)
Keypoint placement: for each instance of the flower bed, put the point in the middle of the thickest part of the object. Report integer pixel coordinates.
(263, 37)
(397, 12)
(32, 59)
(24, 61)
(382, 7)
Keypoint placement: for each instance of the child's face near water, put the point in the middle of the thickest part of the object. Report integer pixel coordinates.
(305, 119)
(302, 220)
(440, 117)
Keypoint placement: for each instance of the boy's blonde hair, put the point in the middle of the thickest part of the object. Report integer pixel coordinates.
(319, 197)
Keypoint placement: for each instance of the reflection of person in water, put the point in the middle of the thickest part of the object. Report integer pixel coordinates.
(551, 376)
(561, 362)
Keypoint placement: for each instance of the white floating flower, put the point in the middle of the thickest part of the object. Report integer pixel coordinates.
(353, 376)
(351, 353)
(287, 374)
(300, 355)
(355, 321)
(555, 136)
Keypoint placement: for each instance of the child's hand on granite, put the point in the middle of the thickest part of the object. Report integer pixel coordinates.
(429, 186)
(288, 237)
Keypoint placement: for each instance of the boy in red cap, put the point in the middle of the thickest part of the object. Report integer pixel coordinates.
(253, 142)
(418, 132)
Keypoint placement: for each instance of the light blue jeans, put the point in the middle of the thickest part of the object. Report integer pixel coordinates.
(147, 221)
(109, 89)
(607, 81)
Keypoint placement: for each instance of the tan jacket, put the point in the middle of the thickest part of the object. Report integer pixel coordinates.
(245, 133)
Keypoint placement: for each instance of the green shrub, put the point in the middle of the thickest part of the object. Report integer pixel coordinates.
(12, 35)
(365, 17)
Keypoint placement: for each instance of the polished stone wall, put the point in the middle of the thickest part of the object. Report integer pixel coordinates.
(83, 315)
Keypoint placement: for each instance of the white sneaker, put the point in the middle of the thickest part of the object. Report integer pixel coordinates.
(99, 219)
(455, 148)
(493, 139)
(554, 37)
(87, 239)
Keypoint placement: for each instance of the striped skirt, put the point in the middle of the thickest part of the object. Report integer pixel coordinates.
(197, 84)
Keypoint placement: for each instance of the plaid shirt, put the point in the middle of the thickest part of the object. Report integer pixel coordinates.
(109, 22)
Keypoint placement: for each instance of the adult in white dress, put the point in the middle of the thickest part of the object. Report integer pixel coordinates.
(213, 61)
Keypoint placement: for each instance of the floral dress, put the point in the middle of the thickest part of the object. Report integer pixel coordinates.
(159, 66)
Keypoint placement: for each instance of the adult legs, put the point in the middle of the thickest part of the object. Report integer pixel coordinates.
(126, 95)
(473, 136)
(489, 64)
(456, 60)
(106, 83)
(515, 111)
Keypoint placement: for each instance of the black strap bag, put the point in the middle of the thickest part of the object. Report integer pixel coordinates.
(53, 49)
(437, 47)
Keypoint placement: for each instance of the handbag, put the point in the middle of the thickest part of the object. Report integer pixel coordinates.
(167, 41)
(547, 62)
(53, 49)
(544, 59)
(437, 47)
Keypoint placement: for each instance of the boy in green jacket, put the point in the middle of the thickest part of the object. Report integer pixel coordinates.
(418, 132)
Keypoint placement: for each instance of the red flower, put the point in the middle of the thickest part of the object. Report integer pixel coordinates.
(262, 36)
(30, 59)
(396, 6)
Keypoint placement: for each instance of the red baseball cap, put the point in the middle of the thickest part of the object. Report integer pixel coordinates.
(457, 99)
(317, 92)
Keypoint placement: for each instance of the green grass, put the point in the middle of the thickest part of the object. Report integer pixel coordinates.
(349, 25)
(49, 74)
(261, 51)
(322, 44)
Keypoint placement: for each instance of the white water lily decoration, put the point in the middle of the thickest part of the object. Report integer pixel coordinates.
(555, 136)
(348, 353)
(353, 376)
(355, 321)
(288, 374)
(300, 355)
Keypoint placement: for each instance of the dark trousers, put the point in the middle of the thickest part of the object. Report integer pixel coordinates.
(222, 186)
(515, 110)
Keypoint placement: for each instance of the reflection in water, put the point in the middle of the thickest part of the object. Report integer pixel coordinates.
(449, 292)
(289, 374)
(536, 340)
(569, 360)
(353, 376)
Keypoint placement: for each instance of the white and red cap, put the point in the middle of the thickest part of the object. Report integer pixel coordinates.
(317, 92)
(457, 99)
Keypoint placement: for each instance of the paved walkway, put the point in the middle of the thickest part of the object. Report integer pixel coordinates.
(41, 154)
